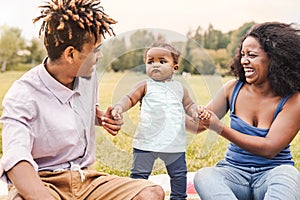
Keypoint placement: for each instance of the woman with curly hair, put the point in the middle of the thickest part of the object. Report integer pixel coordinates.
(264, 104)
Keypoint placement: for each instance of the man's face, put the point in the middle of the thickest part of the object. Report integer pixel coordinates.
(88, 57)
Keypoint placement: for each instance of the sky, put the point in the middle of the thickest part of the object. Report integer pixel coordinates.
(174, 15)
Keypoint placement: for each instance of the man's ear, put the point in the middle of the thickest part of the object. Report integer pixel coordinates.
(175, 68)
(69, 54)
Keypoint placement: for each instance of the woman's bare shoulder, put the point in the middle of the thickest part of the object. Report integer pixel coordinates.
(229, 85)
(294, 101)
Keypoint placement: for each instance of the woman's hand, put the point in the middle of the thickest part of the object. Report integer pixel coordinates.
(107, 122)
(203, 113)
(212, 122)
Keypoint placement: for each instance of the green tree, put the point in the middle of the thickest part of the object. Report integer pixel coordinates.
(202, 62)
(186, 57)
(37, 51)
(139, 41)
(142, 39)
(198, 37)
(211, 37)
(112, 51)
(132, 57)
(195, 59)
(214, 39)
(236, 37)
(11, 45)
(221, 59)
(126, 53)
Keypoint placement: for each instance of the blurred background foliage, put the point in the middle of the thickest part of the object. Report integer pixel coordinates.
(17, 53)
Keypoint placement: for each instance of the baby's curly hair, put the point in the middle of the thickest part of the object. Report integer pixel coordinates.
(174, 52)
(281, 42)
(68, 22)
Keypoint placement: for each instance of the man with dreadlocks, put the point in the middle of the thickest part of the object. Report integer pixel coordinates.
(49, 114)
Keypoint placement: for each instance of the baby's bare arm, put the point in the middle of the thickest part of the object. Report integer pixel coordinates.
(189, 105)
(129, 100)
(193, 110)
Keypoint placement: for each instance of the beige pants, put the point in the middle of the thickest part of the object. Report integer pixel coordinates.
(68, 185)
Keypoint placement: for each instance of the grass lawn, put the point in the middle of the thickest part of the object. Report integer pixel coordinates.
(114, 154)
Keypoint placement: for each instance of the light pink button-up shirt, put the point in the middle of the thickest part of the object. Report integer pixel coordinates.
(47, 124)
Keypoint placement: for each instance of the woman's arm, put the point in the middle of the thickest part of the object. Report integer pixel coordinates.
(282, 130)
(219, 105)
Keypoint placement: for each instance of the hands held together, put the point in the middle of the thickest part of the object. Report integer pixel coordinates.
(108, 122)
(112, 120)
(201, 113)
(208, 119)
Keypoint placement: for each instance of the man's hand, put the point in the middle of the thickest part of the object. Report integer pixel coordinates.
(107, 121)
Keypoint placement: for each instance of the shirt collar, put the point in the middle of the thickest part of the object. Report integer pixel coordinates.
(61, 92)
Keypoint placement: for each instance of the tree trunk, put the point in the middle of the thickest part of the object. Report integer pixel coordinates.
(3, 68)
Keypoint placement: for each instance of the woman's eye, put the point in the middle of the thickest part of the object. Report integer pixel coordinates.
(252, 55)
(248, 55)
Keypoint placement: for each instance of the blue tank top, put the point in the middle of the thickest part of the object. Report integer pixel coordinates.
(241, 157)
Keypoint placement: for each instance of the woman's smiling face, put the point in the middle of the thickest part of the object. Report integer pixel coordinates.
(255, 61)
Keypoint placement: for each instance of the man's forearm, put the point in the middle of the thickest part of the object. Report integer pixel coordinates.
(27, 182)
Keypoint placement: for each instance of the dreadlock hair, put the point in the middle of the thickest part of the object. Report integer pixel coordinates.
(71, 23)
(174, 52)
(281, 42)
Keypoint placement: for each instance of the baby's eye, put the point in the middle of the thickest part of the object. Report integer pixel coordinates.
(150, 62)
(162, 62)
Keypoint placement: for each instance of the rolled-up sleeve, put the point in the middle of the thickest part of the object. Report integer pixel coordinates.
(47, 124)
(17, 138)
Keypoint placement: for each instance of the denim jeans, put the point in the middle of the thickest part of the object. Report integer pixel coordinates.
(176, 167)
(229, 182)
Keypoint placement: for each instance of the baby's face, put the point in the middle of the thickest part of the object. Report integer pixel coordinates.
(159, 64)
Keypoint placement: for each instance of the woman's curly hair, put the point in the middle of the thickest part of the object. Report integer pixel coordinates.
(68, 22)
(281, 42)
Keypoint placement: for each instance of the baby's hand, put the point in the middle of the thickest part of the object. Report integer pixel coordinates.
(116, 112)
(194, 113)
(203, 113)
